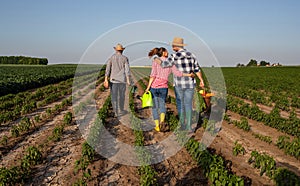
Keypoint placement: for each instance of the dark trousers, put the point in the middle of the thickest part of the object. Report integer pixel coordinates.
(117, 91)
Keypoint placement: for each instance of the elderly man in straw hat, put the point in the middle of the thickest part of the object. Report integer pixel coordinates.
(118, 70)
(185, 62)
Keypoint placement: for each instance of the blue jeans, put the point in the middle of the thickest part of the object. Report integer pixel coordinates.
(117, 91)
(159, 96)
(184, 102)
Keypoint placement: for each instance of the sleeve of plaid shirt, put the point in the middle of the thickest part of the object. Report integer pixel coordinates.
(169, 62)
(196, 64)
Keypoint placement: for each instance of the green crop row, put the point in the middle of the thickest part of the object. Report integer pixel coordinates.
(87, 156)
(88, 147)
(18, 174)
(213, 165)
(95, 131)
(290, 147)
(27, 102)
(267, 165)
(283, 142)
(265, 85)
(266, 139)
(242, 124)
(28, 125)
(15, 79)
(289, 126)
(148, 174)
(33, 156)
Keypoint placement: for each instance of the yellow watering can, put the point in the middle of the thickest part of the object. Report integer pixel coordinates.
(147, 99)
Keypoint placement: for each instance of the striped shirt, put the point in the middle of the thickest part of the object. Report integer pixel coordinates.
(185, 62)
(117, 68)
(161, 75)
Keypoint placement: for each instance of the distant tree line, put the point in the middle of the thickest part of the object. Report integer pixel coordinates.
(254, 63)
(22, 60)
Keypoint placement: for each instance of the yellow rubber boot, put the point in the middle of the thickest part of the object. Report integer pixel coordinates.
(156, 125)
(162, 117)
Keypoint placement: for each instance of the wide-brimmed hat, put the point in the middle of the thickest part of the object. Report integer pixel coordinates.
(119, 47)
(178, 41)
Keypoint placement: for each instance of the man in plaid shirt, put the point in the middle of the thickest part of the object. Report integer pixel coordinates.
(185, 62)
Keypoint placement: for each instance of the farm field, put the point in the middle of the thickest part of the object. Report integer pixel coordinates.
(43, 140)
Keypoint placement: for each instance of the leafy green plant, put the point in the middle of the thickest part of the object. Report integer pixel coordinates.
(68, 118)
(242, 124)
(227, 118)
(9, 176)
(265, 163)
(172, 120)
(15, 131)
(238, 149)
(88, 152)
(57, 133)
(86, 158)
(33, 157)
(4, 140)
(290, 147)
(266, 139)
(24, 124)
(49, 111)
(147, 175)
(37, 118)
(284, 176)
(211, 127)
(57, 107)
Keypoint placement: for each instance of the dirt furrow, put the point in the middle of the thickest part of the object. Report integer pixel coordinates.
(251, 143)
(229, 134)
(267, 109)
(180, 168)
(43, 131)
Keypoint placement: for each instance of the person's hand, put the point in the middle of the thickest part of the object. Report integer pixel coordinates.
(128, 82)
(201, 84)
(192, 75)
(105, 84)
(147, 89)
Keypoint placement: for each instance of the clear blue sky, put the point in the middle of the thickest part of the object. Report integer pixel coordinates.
(236, 31)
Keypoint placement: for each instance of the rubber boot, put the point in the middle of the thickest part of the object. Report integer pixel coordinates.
(162, 117)
(156, 125)
(188, 116)
(181, 122)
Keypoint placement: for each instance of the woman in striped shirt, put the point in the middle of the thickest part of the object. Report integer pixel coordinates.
(158, 85)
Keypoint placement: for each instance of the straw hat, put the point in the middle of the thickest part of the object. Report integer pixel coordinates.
(119, 47)
(178, 41)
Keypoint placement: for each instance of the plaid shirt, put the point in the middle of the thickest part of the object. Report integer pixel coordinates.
(185, 62)
(161, 74)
